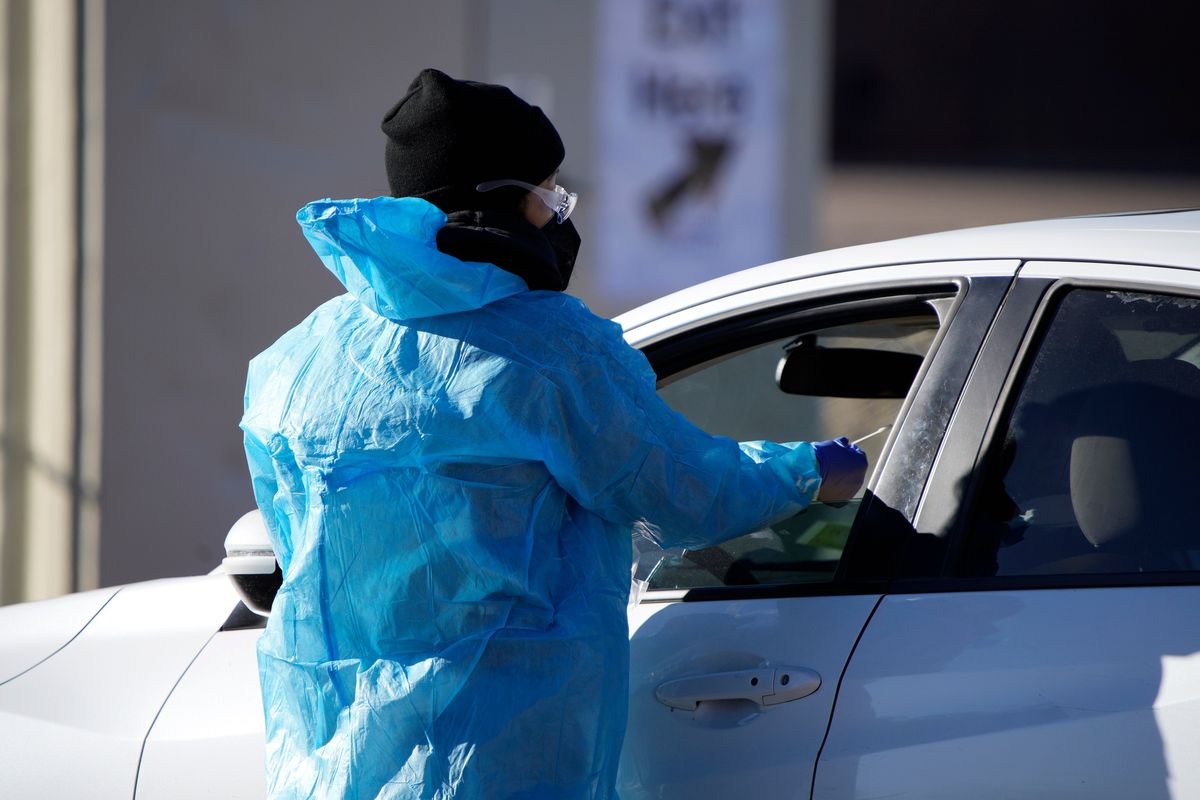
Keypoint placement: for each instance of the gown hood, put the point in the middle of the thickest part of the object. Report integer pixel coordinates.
(384, 251)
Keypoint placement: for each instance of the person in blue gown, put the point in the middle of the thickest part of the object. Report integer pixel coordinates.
(450, 458)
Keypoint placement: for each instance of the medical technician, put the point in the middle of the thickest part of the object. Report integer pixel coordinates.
(451, 457)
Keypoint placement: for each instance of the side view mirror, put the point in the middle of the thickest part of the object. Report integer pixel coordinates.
(250, 563)
(809, 369)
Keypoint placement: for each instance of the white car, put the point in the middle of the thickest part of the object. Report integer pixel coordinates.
(1010, 610)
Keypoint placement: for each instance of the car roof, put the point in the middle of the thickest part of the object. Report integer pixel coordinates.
(1167, 238)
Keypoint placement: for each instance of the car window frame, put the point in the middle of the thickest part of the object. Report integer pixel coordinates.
(975, 300)
(991, 393)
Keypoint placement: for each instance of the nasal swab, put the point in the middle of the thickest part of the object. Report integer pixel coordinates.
(872, 433)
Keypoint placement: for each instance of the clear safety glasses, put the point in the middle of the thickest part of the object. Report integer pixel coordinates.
(558, 199)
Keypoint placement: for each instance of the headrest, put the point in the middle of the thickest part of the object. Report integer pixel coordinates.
(1136, 453)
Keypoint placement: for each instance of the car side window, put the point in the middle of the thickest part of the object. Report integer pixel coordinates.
(1094, 471)
(848, 379)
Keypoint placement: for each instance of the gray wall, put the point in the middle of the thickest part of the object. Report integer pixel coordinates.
(222, 120)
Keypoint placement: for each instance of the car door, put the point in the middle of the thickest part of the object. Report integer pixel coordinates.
(1041, 639)
(737, 650)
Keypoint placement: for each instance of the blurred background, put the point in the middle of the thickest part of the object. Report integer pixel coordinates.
(154, 155)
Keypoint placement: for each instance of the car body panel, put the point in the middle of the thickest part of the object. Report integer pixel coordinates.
(89, 706)
(1113, 274)
(35, 631)
(1167, 239)
(724, 747)
(642, 332)
(214, 717)
(1071, 693)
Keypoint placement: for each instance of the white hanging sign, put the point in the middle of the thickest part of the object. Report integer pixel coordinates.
(690, 158)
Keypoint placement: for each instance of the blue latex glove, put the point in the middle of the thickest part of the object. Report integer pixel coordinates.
(843, 467)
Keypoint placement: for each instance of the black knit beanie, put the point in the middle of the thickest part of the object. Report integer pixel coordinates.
(446, 136)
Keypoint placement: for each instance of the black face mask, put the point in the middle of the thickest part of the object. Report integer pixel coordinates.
(544, 257)
(565, 241)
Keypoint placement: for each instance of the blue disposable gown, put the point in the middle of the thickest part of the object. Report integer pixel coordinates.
(450, 466)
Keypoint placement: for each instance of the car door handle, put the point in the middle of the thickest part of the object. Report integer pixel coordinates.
(766, 686)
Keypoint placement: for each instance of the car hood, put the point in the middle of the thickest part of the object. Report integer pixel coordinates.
(32, 632)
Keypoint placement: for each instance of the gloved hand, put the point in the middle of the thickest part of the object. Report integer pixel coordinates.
(843, 467)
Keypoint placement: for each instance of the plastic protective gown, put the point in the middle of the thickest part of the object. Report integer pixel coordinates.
(450, 466)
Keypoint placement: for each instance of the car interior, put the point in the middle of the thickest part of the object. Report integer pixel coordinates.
(849, 379)
(1095, 473)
